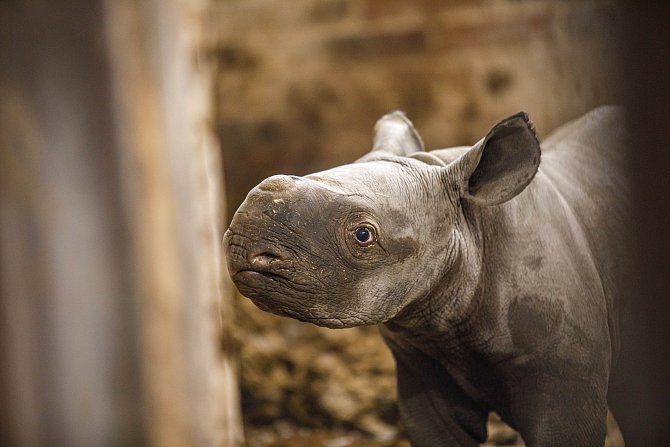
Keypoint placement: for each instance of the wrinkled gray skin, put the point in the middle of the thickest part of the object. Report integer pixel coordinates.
(496, 284)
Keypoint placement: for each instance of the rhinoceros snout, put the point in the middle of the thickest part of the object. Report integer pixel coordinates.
(251, 242)
(248, 252)
(262, 258)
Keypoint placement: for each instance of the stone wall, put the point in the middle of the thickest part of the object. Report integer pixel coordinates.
(300, 86)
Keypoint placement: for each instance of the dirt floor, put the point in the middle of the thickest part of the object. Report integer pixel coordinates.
(283, 434)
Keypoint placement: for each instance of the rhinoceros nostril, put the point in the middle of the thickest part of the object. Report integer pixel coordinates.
(262, 261)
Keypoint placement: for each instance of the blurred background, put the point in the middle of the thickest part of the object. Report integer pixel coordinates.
(299, 89)
(130, 131)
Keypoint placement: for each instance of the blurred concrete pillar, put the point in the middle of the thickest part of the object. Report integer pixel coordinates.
(644, 414)
(111, 286)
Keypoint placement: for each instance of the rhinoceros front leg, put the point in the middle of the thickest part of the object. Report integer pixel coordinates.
(558, 412)
(436, 413)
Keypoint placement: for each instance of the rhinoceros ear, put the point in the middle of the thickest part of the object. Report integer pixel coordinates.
(502, 164)
(395, 134)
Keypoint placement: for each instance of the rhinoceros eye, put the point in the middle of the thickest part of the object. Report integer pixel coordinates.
(364, 235)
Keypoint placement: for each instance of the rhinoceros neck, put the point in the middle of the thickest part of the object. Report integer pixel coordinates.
(449, 305)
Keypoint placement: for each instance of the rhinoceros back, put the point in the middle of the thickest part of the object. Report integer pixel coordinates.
(585, 161)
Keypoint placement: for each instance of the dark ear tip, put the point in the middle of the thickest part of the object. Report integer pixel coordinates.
(527, 120)
(512, 123)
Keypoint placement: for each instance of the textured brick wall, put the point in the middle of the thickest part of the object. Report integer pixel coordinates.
(301, 83)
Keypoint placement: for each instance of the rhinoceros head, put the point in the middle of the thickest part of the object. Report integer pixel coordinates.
(356, 244)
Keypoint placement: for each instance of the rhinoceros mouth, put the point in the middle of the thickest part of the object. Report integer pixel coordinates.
(253, 276)
(251, 261)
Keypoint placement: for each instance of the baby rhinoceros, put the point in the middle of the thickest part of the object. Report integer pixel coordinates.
(495, 278)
